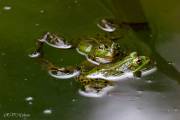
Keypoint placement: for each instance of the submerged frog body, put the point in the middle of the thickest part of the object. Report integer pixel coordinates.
(107, 61)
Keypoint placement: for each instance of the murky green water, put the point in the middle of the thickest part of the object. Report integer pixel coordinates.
(28, 92)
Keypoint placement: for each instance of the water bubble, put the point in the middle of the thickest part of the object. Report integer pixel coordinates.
(42, 11)
(37, 24)
(30, 103)
(139, 92)
(169, 110)
(176, 110)
(5, 65)
(106, 26)
(7, 8)
(29, 98)
(71, 83)
(74, 100)
(3, 54)
(75, 1)
(61, 59)
(150, 35)
(171, 63)
(47, 111)
(149, 81)
(69, 7)
(34, 54)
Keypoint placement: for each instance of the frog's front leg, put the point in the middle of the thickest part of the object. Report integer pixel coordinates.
(60, 72)
(52, 40)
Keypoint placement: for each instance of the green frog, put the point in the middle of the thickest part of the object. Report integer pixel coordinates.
(106, 61)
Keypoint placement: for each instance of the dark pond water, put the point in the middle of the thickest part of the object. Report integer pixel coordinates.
(27, 92)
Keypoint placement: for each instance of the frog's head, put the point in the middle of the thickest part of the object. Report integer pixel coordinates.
(106, 52)
(139, 62)
(99, 49)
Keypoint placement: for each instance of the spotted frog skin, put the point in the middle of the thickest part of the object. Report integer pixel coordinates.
(105, 61)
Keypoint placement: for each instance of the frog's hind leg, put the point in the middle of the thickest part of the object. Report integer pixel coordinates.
(60, 72)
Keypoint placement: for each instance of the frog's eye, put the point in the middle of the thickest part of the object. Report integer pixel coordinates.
(138, 61)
